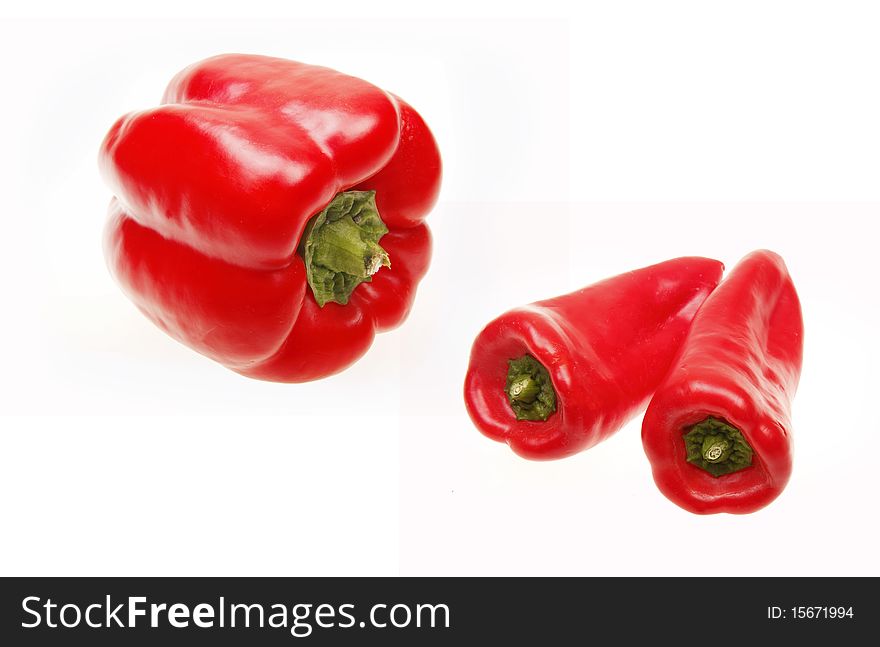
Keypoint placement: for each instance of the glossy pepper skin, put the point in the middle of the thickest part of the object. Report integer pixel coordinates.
(604, 348)
(215, 189)
(740, 366)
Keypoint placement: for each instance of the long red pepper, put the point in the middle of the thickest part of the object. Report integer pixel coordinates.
(718, 429)
(558, 376)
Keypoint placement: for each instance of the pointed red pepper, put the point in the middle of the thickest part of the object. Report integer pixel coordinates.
(269, 213)
(718, 429)
(558, 376)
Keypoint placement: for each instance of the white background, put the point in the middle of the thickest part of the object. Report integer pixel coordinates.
(578, 143)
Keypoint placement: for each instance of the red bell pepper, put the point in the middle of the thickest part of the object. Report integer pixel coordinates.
(718, 429)
(558, 376)
(269, 213)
